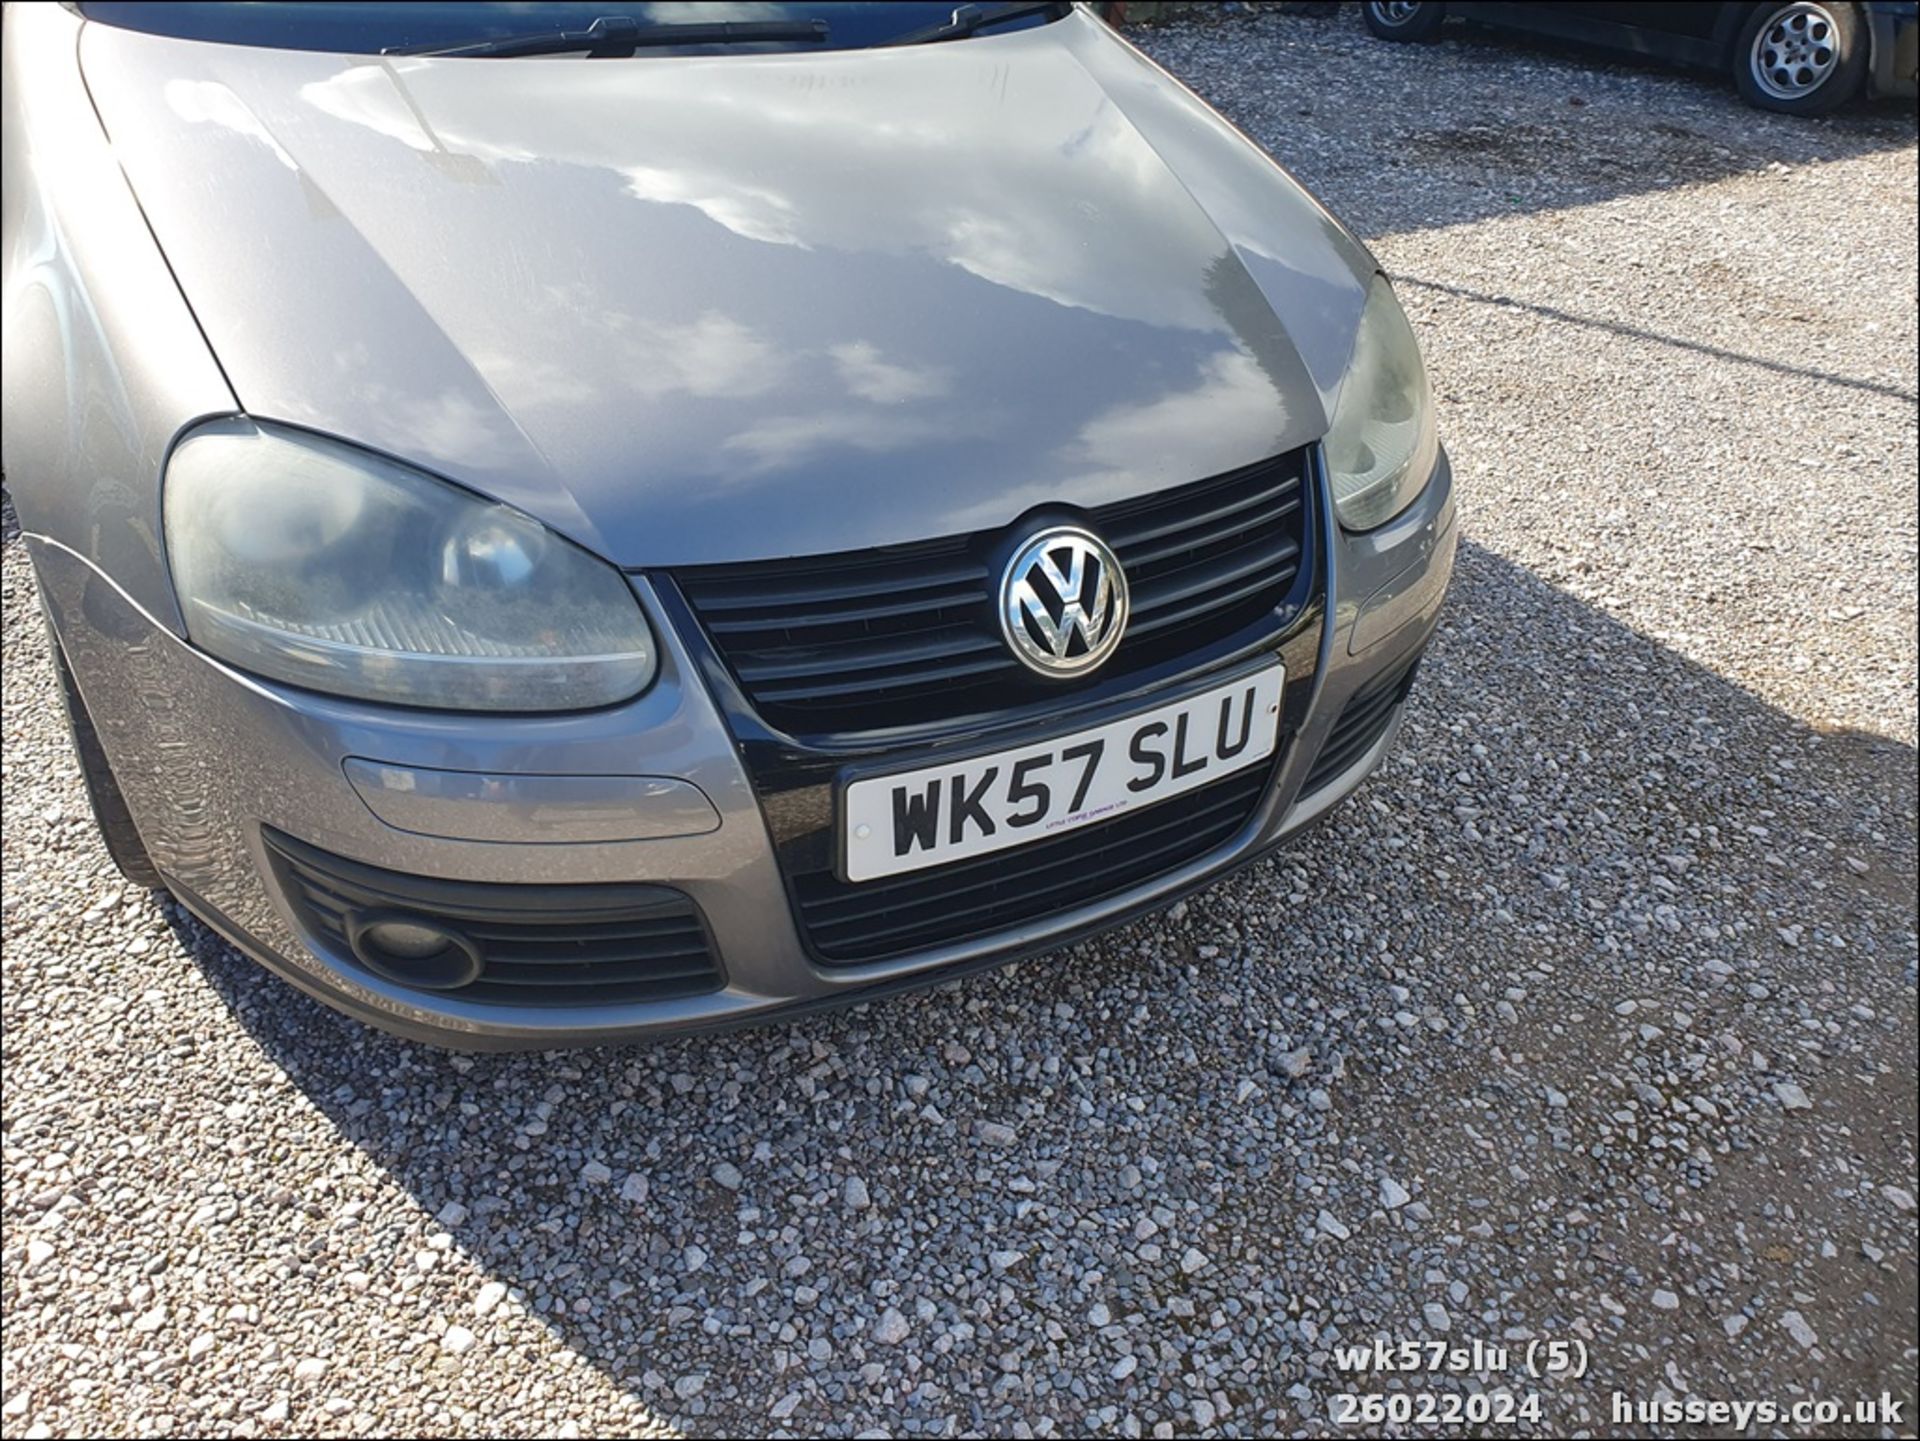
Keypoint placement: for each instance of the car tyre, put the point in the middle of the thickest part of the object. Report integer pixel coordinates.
(1804, 58)
(117, 830)
(1403, 21)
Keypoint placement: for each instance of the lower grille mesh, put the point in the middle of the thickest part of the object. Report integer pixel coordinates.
(847, 923)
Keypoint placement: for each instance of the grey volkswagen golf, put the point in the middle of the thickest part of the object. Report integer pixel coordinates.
(559, 525)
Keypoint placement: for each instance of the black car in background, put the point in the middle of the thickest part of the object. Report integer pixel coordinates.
(1803, 57)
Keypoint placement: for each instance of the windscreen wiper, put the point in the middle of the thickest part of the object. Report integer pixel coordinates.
(622, 35)
(967, 19)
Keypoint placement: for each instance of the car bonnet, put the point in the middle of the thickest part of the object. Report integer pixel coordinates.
(698, 309)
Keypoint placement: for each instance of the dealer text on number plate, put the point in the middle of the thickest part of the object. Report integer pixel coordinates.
(949, 812)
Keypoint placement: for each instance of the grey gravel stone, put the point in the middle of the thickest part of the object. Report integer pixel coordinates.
(488, 1298)
(994, 1133)
(1797, 1327)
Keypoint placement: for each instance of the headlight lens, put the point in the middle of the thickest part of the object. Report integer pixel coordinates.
(1381, 446)
(308, 561)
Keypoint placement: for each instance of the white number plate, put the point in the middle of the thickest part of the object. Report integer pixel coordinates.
(967, 808)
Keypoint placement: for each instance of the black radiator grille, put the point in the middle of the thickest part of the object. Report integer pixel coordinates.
(906, 636)
(847, 923)
(543, 945)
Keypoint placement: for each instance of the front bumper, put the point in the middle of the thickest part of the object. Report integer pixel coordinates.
(212, 762)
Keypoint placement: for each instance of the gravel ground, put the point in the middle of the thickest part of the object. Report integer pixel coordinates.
(1593, 1018)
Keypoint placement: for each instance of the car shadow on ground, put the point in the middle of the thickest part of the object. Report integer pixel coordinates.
(1556, 315)
(743, 1139)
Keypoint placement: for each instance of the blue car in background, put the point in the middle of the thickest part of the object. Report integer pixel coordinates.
(1805, 57)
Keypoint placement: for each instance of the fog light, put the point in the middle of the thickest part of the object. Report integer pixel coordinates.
(414, 950)
(404, 938)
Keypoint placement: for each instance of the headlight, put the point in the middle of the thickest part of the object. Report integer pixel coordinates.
(308, 561)
(1381, 445)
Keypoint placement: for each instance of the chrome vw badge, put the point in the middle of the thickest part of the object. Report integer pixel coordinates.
(1063, 602)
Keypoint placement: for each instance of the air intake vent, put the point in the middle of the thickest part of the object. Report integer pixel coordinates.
(1363, 720)
(563, 945)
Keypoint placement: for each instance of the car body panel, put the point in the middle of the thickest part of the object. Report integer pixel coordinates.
(1893, 26)
(733, 308)
(104, 362)
(1690, 33)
